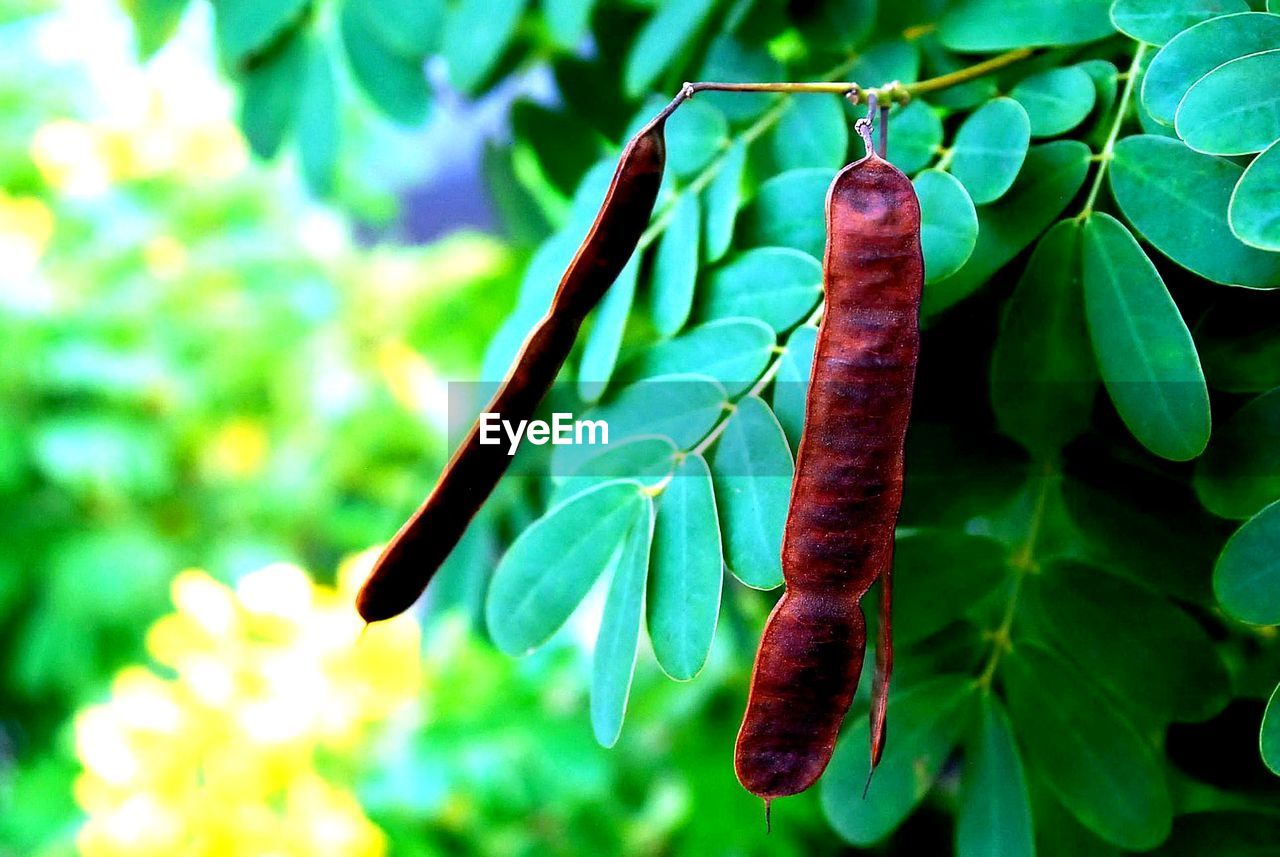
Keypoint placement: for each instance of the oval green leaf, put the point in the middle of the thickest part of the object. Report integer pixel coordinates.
(675, 267)
(1240, 472)
(1093, 760)
(1157, 21)
(1156, 661)
(778, 285)
(791, 385)
(1056, 100)
(788, 212)
(927, 722)
(647, 460)
(951, 573)
(476, 33)
(1177, 199)
(1050, 179)
(997, 25)
(1145, 353)
(1254, 210)
(989, 149)
(270, 96)
(600, 352)
(687, 571)
(662, 39)
(948, 224)
(1232, 110)
(397, 86)
(917, 134)
(1246, 579)
(1043, 376)
(733, 351)
(1193, 53)
(246, 27)
(1269, 736)
(694, 134)
(318, 127)
(752, 470)
(721, 200)
(994, 819)
(549, 569)
(812, 132)
(614, 660)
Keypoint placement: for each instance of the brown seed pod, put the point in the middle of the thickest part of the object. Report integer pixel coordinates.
(847, 489)
(408, 563)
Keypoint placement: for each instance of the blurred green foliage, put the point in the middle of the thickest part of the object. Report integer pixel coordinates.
(199, 366)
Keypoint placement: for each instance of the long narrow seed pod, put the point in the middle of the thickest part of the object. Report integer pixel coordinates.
(408, 563)
(848, 483)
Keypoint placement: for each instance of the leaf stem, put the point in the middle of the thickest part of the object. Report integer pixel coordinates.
(1022, 562)
(1108, 147)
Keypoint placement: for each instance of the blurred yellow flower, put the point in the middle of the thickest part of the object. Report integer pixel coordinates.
(237, 450)
(26, 225)
(218, 756)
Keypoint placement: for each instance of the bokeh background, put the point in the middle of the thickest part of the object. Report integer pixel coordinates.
(216, 391)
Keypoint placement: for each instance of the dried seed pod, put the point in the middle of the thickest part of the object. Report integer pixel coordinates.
(416, 552)
(847, 489)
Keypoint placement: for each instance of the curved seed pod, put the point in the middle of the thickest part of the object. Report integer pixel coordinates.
(847, 488)
(408, 563)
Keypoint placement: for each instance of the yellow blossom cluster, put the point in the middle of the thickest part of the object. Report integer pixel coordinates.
(217, 751)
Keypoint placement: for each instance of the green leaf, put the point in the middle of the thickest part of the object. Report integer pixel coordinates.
(752, 470)
(318, 128)
(154, 22)
(1145, 353)
(1056, 100)
(1232, 110)
(791, 386)
(1043, 377)
(1106, 78)
(812, 132)
(997, 25)
(647, 460)
(1157, 663)
(994, 819)
(1246, 579)
(270, 96)
(662, 39)
(777, 285)
(1252, 213)
(695, 134)
(1158, 21)
(614, 660)
(788, 211)
(675, 267)
(733, 351)
(396, 85)
(1240, 472)
(600, 352)
(1269, 736)
(732, 61)
(951, 572)
(681, 407)
(948, 224)
(927, 720)
(476, 33)
(1177, 199)
(1193, 53)
(1092, 759)
(939, 61)
(838, 25)
(245, 27)
(550, 567)
(989, 149)
(721, 200)
(411, 28)
(883, 62)
(915, 138)
(1050, 179)
(563, 144)
(686, 573)
(568, 21)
